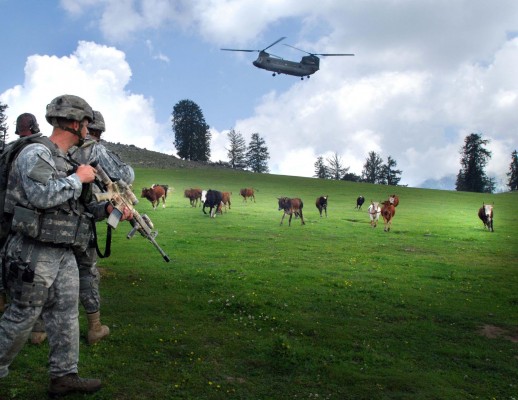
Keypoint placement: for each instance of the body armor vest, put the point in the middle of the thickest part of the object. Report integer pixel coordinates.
(67, 224)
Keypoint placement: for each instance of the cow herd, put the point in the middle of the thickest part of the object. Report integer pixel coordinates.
(216, 201)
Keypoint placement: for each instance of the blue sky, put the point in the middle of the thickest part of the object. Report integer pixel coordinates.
(426, 74)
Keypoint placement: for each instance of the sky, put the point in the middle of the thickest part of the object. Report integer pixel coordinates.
(426, 74)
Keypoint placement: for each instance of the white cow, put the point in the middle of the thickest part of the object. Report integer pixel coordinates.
(374, 213)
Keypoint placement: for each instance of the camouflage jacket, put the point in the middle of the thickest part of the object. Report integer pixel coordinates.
(110, 162)
(39, 180)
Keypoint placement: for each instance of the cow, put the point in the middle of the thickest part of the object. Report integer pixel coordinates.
(213, 200)
(394, 200)
(321, 204)
(290, 207)
(388, 210)
(154, 195)
(165, 187)
(374, 213)
(485, 213)
(225, 200)
(193, 195)
(246, 193)
(359, 202)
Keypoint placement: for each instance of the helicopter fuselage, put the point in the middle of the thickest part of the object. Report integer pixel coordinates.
(308, 65)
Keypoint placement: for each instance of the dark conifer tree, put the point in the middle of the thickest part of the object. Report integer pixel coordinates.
(513, 172)
(373, 169)
(3, 125)
(236, 151)
(257, 154)
(472, 176)
(391, 176)
(321, 169)
(191, 132)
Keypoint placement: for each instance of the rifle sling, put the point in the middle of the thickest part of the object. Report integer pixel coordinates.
(107, 249)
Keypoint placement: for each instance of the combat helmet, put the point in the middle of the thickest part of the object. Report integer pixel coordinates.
(69, 107)
(98, 123)
(26, 122)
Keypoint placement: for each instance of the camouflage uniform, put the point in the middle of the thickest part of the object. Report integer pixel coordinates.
(49, 281)
(87, 261)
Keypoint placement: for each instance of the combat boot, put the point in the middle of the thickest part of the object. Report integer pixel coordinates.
(72, 383)
(38, 337)
(96, 331)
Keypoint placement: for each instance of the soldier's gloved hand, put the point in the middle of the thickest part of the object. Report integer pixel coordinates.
(86, 173)
(127, 214)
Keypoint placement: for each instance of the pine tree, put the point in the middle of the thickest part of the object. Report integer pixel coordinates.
(335, 168)
(3, 125)
(236, 152)
(390, 174)
(471, 176)
(321, 169)
(513, 172)
(192, 135)
(373, 169)
(257, 155)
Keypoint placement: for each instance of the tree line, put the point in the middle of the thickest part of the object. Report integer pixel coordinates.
(374, 170)
(192, 141)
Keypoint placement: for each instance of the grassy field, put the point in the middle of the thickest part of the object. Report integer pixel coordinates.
(335, 309)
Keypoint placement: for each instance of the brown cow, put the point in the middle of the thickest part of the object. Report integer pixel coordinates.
(225, 200)
(193, 195)
(290, 207)
(247, 192)
(394, 200)
(154, 195)
(388, 211)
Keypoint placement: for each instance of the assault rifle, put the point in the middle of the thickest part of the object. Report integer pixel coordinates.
(119, 194)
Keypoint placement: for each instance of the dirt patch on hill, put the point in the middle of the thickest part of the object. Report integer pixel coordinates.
(496, 332)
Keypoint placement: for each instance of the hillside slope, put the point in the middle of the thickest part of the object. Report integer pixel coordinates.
(138, 157)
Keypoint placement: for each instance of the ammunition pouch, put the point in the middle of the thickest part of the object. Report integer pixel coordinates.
(67, 230)
(22, 288)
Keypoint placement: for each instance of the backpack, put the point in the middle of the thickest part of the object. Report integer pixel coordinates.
(7, 157)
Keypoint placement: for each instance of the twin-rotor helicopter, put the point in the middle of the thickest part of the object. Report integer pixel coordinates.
(307, 66)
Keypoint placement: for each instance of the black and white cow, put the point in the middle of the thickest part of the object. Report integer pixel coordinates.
(485, 213)
(213, 200)
(321, 204)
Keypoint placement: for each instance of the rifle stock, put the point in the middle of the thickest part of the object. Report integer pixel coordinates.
(119, 194)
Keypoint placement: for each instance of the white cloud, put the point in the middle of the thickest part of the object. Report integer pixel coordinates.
(100, 75)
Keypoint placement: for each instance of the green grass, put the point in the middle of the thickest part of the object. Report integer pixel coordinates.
(248, 309)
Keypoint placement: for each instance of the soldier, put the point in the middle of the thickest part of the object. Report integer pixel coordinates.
(89, 275)
(43, 194)
(26, 125)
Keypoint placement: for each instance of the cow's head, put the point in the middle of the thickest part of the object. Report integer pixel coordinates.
(283, 202)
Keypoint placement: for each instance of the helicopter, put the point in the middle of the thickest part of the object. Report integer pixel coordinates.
(307, 66)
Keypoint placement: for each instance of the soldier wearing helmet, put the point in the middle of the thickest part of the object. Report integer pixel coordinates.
(89, 295)
(26, 125)
(50, 221)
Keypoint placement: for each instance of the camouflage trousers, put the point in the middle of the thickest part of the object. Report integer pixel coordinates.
(89, 278)
(53, 294)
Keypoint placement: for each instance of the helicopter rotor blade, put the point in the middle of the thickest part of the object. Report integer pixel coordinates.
(318, 54)
(336, 54)
(248, 51)
(293, 47)
(274, 43)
